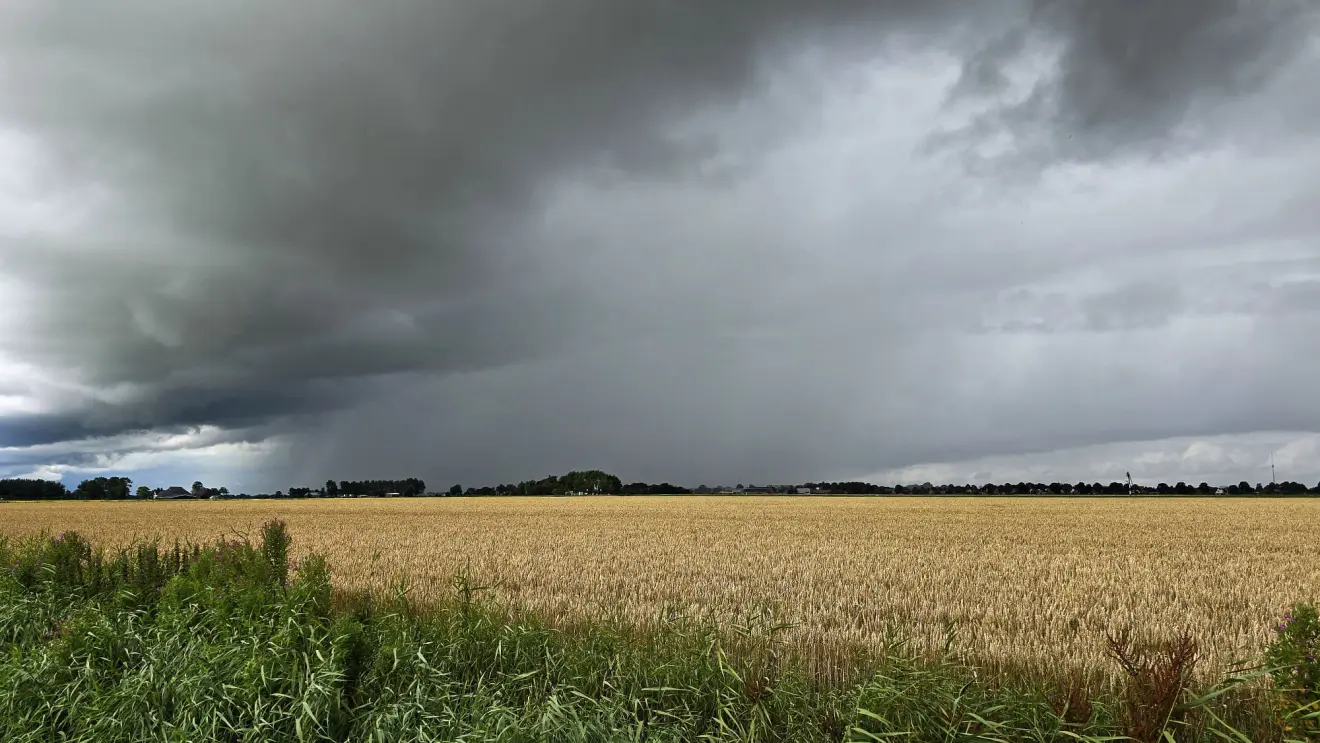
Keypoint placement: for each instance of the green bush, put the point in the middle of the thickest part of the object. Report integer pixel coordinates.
(1294, 661)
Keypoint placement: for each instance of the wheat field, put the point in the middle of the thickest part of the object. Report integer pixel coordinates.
(1029, 583)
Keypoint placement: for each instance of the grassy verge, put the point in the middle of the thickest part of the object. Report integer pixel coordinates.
(226, 642)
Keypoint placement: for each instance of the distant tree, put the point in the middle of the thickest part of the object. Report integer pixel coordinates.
(456, 490)
(851, 487)
(407, 487)
(331, 488)
(93, 489)
(223, 490)
(1245, 488)
(143, 491)
(589, 481)
(32, 489)
(104, 488)
(198, 489)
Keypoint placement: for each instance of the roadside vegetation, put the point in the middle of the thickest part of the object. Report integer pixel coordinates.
(230, 642)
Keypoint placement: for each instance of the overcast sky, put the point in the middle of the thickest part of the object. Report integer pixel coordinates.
(267, 244)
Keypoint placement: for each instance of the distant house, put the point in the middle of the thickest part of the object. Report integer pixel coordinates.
(759, 489)
(174, 493)
(804, 491)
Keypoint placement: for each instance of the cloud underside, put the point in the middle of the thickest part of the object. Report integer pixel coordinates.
(777, 240)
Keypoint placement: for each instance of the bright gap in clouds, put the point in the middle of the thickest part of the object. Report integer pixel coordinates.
(152, 459)
(1217, 460)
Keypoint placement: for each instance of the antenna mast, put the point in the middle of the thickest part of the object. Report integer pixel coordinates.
(1272, 480)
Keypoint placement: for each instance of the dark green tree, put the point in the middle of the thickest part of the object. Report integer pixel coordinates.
(32, 489)
(93, 489)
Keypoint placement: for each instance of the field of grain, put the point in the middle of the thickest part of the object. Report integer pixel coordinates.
(1027, 582)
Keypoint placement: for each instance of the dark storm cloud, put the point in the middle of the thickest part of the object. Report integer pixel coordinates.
(292, 181)
(1131, 76)
(277, 211)
(244, 408)
(16, 463)
(983, 69)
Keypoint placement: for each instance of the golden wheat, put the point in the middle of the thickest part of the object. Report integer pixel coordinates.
(1032, 583)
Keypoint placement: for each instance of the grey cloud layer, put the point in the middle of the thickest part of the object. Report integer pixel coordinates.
(282, 178)
(506, 237)
(1131, 73)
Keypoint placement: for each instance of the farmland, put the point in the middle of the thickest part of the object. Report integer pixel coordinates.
(1027, 583)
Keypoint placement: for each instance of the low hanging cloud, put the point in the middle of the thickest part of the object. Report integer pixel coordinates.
(771, 241)
(1255, 459)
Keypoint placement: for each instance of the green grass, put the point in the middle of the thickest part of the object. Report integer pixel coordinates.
(228, 643)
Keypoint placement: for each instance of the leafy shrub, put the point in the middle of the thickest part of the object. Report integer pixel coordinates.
(1294, 660)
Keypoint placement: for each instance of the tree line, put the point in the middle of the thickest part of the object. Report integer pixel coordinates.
(407, 488)
(1058, 488)
(96, 488)
(597, 482)
(575, 482)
